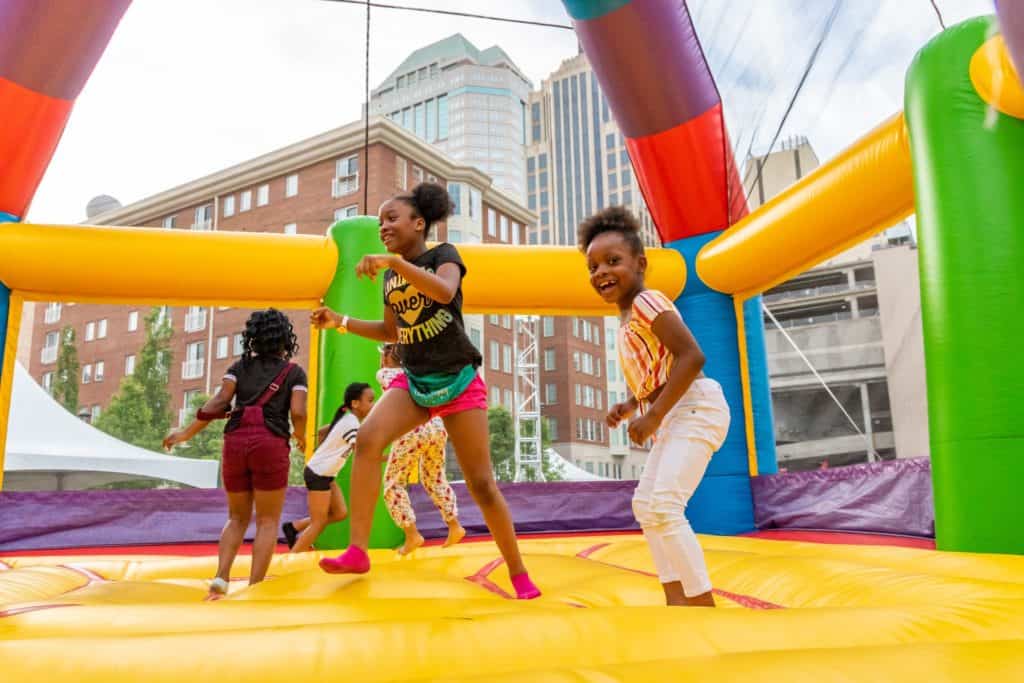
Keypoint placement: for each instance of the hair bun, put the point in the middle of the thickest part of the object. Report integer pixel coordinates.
(432, 202)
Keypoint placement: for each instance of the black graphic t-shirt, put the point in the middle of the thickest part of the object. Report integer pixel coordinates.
(431, 335)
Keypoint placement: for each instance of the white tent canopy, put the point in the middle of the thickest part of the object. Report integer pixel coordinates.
(48, 447)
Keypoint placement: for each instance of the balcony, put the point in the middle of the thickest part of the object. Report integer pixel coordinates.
(195, 320)
(192, 369)
(48, 355)
(824, 290)
(203, 225)
(345, 186)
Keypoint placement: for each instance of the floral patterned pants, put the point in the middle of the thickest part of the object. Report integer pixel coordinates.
(423, 447)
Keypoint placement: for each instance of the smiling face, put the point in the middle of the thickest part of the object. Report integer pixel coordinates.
(401, 230)
(616, 271)
(361, 407)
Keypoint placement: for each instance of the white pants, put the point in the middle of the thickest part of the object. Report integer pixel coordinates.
(692, 431)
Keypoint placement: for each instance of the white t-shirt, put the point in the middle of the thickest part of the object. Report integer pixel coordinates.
(330, 457)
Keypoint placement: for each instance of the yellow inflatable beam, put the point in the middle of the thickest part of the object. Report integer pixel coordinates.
(178, 267)
(995, 78)
(864, 190)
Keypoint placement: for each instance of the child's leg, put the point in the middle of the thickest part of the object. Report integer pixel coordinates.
(268, 514)
(337, 510)
(231, 537)
(391, 417)
(469, 435)
(433, 479)
(674, 468)
(396, 498)
(319, 506)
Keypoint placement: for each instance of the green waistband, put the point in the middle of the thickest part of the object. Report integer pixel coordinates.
(436, 389)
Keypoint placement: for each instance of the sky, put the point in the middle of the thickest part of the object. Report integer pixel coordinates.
(189, 87)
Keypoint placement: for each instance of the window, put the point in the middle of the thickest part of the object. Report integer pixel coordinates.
(495, 396)
(94, 413)
(627, 177)
(192, 366)
(168, 222)
(549, 326)
(399, 82)
(599, 399)
(49, 352)
(442, 117)
(579, 394)
(291, 228)
(506, 322)
(515, 232)
(474, 336)
(203, 217)
(475, 200)
(52, 314)
(291, 185)
(187, 399)
(222, 347)
(494, 319)
(576, 327)
(549, 359)
(550, 393)
(245, 201)
(417, 175)
(195, 319)
(492, 221)
(229, 206)
(613, 181)
(431, 120)
(101, 329)
(504, 229)
(129, 365)
(99, 370)
(90, 331)
(494, 355)
(508, 400)
(86, 373)
(236, 347)
(609, 141)
(346, 212)
(263, 195)
(627, 197)
(455, 192)
(613, 199)
(454, 236)
(346, 176)
(506, 358)
(407, 118)
(624, 158)
(48, 382)
(586, 330)
(133, 321)
(401, 173)
(420, 120)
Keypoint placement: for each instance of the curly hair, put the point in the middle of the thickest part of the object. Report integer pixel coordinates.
(613, 219)
(430, 202)
(269, 332)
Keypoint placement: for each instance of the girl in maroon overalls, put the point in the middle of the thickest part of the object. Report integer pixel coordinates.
(266, 387)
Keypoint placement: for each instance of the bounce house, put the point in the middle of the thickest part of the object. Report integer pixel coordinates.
(788, 610)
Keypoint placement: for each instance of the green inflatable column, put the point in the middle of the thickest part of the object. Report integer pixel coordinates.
(969, 181)
(346, 358)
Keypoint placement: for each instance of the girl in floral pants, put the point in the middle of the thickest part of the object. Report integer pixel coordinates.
(422, 447)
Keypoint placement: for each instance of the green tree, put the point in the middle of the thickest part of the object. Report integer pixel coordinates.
(207, 444)
(503, 444)
(152, 371)
(139, 413)
(65, 378)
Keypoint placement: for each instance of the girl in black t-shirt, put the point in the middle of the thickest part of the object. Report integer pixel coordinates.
(423, 314)
(267, 389)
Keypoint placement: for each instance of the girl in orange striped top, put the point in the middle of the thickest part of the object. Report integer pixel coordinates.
(681, 409)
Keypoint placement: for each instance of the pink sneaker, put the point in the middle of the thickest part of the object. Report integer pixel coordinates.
(525, 589)
(354, 560)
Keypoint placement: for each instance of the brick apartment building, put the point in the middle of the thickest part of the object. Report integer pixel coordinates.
(300, 189)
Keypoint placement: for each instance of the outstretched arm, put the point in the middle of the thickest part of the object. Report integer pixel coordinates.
(217, 405)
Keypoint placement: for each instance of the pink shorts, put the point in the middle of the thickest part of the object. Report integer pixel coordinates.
(474, 396)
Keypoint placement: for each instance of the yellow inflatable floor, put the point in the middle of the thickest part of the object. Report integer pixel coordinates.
(788, 612)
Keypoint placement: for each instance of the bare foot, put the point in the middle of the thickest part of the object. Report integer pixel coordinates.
(455, 534)
(413, 540)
